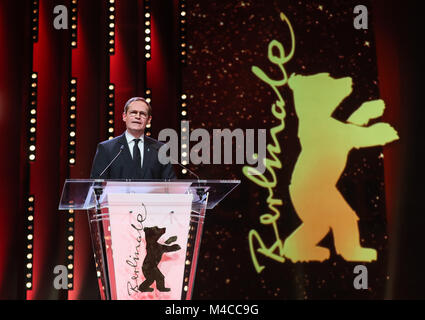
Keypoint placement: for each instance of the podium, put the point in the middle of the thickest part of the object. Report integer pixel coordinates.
(146, 234)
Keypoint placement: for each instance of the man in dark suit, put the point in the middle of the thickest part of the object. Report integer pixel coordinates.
(136, 154)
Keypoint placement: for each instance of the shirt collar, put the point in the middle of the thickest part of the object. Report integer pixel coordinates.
(130, 138)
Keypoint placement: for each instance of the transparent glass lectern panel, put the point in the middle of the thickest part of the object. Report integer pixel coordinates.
(176, 210)
(78, 194)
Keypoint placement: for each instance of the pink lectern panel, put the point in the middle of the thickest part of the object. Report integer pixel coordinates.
(148, 238)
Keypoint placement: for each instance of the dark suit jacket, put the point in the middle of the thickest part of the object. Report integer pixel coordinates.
(123, 167)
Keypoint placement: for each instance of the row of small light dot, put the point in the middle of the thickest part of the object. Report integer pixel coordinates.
(183, 96)
(147, 30)
(148, 55)
(33, 117)
(111, 27)
(72, 121)
(29, 231)
(189, 253)
(182, 23)
(34, 20)
(29, 242)
(71, 161)
(184, 132)
(72, 149)
(110, 113)
(74, 5)
(70, 248)
(148, 97)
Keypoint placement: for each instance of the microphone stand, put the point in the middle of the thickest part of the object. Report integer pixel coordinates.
(104, 170)
(199, 191)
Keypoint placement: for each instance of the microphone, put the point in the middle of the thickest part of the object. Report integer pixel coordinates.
(121, 149)
(184, 167)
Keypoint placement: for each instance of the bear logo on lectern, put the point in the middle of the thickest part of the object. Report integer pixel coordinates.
(154, 252)
(325, 144)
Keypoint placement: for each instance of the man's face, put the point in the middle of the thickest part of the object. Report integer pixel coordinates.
(136, 117)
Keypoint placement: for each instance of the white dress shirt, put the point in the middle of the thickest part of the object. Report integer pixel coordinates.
(130, 141)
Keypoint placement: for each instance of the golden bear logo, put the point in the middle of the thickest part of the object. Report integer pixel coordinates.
(325, 144)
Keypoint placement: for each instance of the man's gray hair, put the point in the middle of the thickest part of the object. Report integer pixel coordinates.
(138, 99)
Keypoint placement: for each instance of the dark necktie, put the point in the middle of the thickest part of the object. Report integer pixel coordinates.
(137, 158)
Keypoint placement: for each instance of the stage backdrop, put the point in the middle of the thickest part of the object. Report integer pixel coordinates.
(331, 82)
